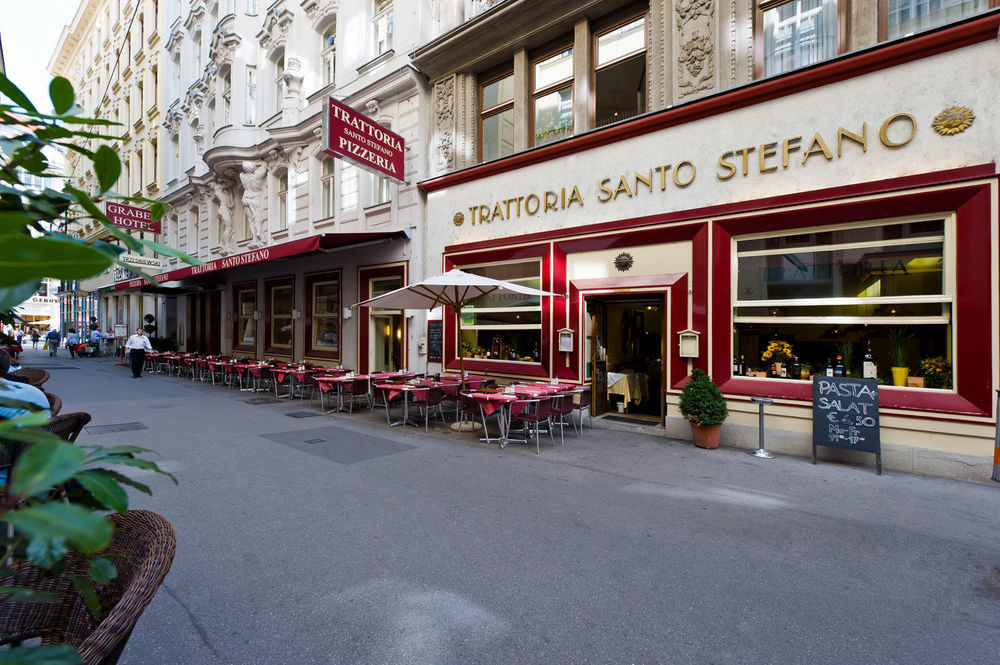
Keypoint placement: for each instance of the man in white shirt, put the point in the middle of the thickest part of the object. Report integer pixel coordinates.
(137, 345)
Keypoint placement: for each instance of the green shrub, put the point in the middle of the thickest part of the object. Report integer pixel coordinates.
(702, 402)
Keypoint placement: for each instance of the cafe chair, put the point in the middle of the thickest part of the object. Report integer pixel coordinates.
(562, 409)
(581, 401)
(432, 400)
(354, 390)
(532, 413)
(141, 549)
(69, 425)
(36, 377)
(55, 403)
(380, 397)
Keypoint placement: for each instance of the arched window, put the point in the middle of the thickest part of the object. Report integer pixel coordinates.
(329, 52)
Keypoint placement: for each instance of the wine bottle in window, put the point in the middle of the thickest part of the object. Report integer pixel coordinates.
(829, 367)
(869, 368)
(838, 369)
(736, 366)
(796, 369)
(743, 366)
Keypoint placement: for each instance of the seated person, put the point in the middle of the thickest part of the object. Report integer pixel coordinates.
(31, 398)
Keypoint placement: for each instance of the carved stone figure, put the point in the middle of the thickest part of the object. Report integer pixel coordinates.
(696, 67)
(688, 10)
(444, 120)
(253, 177)
(227, 232)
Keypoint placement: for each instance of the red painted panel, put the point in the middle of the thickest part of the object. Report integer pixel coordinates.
(838, 69)
(701, 264)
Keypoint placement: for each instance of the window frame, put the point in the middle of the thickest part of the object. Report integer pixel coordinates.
(595, 68)
(843, 37)
(883, 19)
(270, 285)
(237, 341)
(534, 94)
(327, 187)
(485, 113)
(280, 179)
(312, 280)
(386, 15)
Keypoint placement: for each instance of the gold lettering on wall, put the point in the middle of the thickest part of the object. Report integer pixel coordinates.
(883, 134)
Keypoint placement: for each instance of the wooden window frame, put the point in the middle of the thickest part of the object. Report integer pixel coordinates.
(594, 68)
(843, 31)
(269, 286)
(534, 94)
(311, 280)
(485, 113)
(238, 288)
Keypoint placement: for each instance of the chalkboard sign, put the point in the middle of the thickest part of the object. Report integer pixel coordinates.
(435, 342)
(845, 415)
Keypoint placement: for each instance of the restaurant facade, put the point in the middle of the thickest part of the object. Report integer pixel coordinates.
(841, 217)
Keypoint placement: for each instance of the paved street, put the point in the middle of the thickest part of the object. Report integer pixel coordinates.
(373, 545)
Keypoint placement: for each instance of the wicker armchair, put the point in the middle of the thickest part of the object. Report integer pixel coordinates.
(142, 550)
(55, 403)
(35, 377)
(69, 425)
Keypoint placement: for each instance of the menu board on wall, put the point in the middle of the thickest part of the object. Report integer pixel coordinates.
(435, 342)
(845, 415)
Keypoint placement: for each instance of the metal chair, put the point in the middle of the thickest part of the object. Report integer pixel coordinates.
(355, 390)
(562, 408)
(141, 549)
(532, 413)
(581, 401)
(381, 397)
(432, 400)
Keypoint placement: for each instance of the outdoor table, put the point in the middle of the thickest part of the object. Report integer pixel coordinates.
(218, 366)
(330, 383)
(293, 375)
(490, 403)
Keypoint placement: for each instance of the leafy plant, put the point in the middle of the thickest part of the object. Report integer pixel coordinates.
(846, 351)
(57, 493)
(899, 346)
(777, 351)
(937, 372)
(702, 402)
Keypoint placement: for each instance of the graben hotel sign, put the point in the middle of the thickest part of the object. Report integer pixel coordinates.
(772, 156)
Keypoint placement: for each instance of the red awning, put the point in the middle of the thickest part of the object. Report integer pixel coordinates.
(285, 249)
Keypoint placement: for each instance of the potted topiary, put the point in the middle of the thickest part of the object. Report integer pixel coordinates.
(703, 404)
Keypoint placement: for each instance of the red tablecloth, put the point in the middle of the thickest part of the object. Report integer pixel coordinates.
(490, 402)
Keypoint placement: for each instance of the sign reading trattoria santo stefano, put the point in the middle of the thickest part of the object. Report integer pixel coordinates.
(130, 217)
(352, 136)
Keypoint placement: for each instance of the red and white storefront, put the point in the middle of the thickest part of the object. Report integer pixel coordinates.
(829, 208)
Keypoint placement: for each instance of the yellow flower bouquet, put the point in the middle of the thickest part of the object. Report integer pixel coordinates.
(777, 351)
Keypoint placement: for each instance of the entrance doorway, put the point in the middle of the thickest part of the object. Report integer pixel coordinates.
(625, 335)
(204, 312)
(387, 341)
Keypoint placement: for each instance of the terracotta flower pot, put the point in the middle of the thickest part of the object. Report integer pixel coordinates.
(706, 436)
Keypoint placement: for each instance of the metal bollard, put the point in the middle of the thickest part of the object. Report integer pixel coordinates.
(760, 452)
(996, 446)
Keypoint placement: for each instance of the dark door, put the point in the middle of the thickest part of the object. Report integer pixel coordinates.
(204, 325)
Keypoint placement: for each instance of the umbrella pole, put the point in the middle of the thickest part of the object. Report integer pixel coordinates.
(461, 352)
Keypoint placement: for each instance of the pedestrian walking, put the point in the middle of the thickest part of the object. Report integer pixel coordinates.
(52, 342)
(109, 343)
(35, 336)
(137, 345)
(72, 341)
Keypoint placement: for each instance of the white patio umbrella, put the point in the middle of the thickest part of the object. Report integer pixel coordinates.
(453, 289)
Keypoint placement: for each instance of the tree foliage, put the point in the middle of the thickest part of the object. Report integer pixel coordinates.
(702, 402)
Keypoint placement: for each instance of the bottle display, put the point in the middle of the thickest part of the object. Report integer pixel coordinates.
(838, 369)
(829, 367)
(796, 369)
(869, 369)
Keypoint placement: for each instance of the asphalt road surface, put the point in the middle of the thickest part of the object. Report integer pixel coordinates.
(334, 539)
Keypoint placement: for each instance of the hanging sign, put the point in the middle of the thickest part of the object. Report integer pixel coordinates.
(351, 136)
(130, 217)
(845, 415)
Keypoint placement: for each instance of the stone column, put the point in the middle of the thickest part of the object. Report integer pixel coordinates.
(581, 76)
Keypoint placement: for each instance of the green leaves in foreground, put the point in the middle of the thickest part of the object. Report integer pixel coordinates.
(82, 529)
(25, 258)
(44, 654)
(44, 465)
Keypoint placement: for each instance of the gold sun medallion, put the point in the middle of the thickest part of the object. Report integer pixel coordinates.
(458, 219)
(953, 120)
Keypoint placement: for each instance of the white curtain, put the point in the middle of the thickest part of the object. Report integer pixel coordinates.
(909, 16)
(799, 33)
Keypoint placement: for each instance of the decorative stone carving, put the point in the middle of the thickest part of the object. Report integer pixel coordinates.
(277, 23)
(227, 232)
(318, 8)
(253, 176)
(293, 78)
(480, 6)
(444, 125)
(696, 67)
(174, 119)
(174, 42)
(689, 10)
(224, 42)
(373, 109)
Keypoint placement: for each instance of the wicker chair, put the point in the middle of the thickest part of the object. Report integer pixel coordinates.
(142, 550)
(55, 403)
(35, 377)
(69, 425)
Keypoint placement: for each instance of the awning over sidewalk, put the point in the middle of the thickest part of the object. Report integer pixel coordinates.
(323, 241)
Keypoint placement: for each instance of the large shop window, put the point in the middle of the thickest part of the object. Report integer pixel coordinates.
(505, 326)
(905, 17)
(245, 335)
(797, 33)
(279, 294)
(859, 300)
(323, 315)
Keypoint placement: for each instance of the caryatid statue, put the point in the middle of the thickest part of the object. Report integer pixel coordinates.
(253, 177)
(227, 232)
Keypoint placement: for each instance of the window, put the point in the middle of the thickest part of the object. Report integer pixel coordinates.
(281, 201)
(192, 239)
(279, 83)
(251, 117)
(323, 314)
(620, 76)
(251, 7)
(505, 326)
(279, 314)
(905, 17)
(227, 97)
(245, 306)
(796, 33)
(382, 21)
(327, 194)
(834, 295)
(329, 59)
(496, 101)
(378, 189)
(552, 97)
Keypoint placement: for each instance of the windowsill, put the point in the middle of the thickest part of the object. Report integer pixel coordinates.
(377, 207)
(279, 236)
(325, 222)
(272, 120)
(322, 92)
(376, 61)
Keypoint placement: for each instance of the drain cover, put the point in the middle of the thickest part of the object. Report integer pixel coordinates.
(261, 400)
(301, 414)
(119, 427)
(315, 440)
